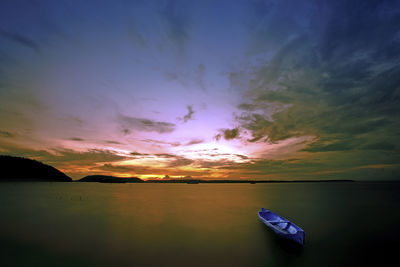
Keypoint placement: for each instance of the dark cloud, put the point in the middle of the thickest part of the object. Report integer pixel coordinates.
(146, 125)
(113, 142)
(6, 134)
(21, 39)
(242, 156)
(165, 155)
(231, 133)
(256, 123)
(173, 160)
(383, 145)
(189, 115)
(136, 36)
(217, 137)
(188, 79)
(247, 106)
(216, 164)
(176, 23)
(182, 78)
(194, 142)
(328, 146)
(200, 73)
(126, 131)
(121, 169)
(228, 134)
(76, 139)
(138, 154)
(337, 80)
(268, 28)
(158, 142)
(179, 162)
(87, 157)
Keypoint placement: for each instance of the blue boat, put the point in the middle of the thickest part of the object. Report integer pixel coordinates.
(282, 227)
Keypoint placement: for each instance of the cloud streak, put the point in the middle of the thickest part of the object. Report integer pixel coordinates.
(189, 115)
(127, 124)
(176, 23)
(21, 40)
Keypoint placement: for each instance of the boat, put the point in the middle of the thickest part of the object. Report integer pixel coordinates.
(282, 226)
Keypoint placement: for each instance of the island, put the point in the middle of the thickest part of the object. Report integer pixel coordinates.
(17, 169)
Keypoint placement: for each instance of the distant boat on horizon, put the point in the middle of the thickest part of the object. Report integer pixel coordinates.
(282, 226)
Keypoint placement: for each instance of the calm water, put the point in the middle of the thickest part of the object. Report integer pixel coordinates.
(80, 224)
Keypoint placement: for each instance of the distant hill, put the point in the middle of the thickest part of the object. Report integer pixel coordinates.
(16, 169)
(109, 179)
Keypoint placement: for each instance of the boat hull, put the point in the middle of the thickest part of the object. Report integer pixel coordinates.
(282, 227)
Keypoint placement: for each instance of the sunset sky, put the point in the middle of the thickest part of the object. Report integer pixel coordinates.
(207, 89)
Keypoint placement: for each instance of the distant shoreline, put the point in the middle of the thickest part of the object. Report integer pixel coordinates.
(113, 179)
(244, 181)
(17, 169)
(121, 180)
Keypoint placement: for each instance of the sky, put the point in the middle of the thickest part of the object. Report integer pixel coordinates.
(267, 90)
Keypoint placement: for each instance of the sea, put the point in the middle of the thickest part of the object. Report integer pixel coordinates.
(140, 224)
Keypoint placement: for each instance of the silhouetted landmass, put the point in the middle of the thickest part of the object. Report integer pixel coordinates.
(17, 169)
(109, 179)
(197, 181)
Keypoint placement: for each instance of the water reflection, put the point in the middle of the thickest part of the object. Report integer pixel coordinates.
(198, 225)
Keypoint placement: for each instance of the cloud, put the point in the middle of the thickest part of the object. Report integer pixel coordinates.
(383, 145)
(76, 139)
(21, 39)
(179, 162)
(165, 155)
(6, 134)
(172, 160)
(194, 142)
(120, 169)
(190, 78)
(138, 154)
(136, 36)
(216, 164)
(331, 81)
(159, 142)
(200, 73)
(175, 22)
(90, 156)
(113, 142)
(331, 146)
(189, 115)
(228, 134)
(128, 124)
(242, 156)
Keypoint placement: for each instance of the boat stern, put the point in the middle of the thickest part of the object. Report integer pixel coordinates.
(300, 237)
